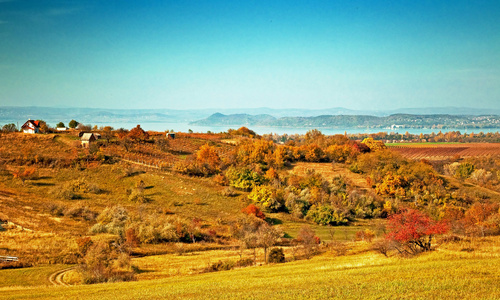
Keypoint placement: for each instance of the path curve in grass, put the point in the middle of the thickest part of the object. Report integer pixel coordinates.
(57, 278)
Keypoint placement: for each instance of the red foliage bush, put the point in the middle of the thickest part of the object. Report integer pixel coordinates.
(254, 211)
(413, 230)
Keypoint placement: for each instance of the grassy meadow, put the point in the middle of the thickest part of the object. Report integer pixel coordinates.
(444, 274)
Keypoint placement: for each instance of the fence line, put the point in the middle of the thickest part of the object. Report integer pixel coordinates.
(8, 258)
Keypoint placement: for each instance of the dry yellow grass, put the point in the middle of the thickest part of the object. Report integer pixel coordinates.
(329, 171)
(451, 274)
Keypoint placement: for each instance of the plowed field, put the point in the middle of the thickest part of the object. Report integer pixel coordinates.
(446, 151)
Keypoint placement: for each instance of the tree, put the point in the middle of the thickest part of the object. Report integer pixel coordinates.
(267, 237)
(9, 127)
(413, 230)
(309, 240)
(373, 144)
(60, 124)
(269, 198)
(44, 128)
(208, 155)
(137, 133)
(107, 133)
(73, 124)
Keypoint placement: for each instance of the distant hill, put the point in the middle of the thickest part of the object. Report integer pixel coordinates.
(236, 119)
(355, 121)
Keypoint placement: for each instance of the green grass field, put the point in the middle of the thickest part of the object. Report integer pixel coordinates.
(442, 274)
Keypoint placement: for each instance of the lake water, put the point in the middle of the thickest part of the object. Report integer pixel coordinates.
(184, 127)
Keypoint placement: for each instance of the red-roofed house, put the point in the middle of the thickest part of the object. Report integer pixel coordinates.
(31, 127)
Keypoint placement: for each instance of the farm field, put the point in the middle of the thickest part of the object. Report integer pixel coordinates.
(444, 274)
(442, 151)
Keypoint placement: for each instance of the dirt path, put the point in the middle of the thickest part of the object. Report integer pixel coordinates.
(139, 163)
(469, 184)
(57, 278)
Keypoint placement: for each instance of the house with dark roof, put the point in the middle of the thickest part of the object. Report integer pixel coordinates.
(31, 126)
(87, 139)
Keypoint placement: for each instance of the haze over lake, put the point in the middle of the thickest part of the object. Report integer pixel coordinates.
(184, 127)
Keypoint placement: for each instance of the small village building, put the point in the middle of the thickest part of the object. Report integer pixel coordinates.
(62, 128)
(170, 135)
(87, 139)
(31, 126)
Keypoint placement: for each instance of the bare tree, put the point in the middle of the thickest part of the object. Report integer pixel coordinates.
(267, 237)
(309, 240)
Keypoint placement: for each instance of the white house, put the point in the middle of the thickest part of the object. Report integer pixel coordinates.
(31, 127)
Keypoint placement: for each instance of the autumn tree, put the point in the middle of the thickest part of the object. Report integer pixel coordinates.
(271, 199)
(478, 219)
(44, 128)
(413, 230)
(137, 133)
(107, 133)
(209, 156)
(373, 144)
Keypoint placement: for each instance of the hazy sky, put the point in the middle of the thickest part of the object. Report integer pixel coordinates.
(230, 54)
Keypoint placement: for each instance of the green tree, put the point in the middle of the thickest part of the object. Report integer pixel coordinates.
(73, 124)
(465, 170)
(60, 124)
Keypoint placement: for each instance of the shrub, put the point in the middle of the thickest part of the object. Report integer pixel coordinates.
(220, 179)
(56, 210)
(269, 198)
(103, 262)
(111, 220)
(338, 248)
(245, 262)
(276, 255)
(307, 237)
(131, 238)
(365, 235)
(413, 230)
(219, 266)
(80, 212)
(243, 179)
(254, 211)
(326, 215)
(229, 192)
(138, 196)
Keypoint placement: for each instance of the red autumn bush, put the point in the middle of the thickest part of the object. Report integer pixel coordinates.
(412, 230)
(254, 211)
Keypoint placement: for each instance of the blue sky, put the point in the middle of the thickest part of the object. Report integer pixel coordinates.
(234, 54)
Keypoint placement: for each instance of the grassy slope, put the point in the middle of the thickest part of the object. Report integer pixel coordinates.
(28, 277)
(436, 275)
